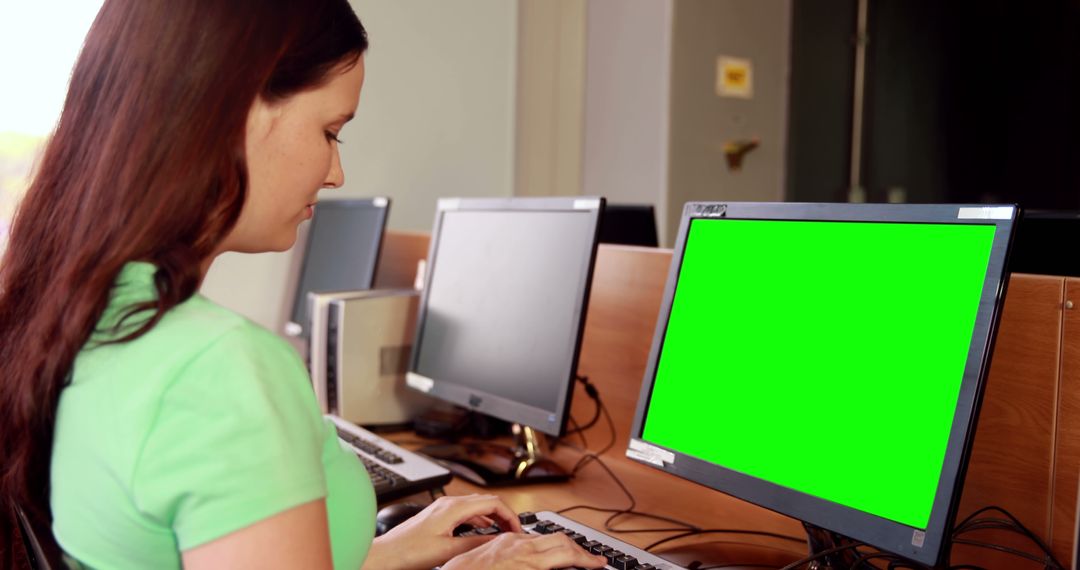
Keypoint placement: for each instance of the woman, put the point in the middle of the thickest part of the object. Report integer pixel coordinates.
(149, 427)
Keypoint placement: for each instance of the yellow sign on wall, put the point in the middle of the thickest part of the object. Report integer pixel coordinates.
(734, 77)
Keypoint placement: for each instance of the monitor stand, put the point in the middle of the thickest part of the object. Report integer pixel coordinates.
(492, 465)
(819, 540)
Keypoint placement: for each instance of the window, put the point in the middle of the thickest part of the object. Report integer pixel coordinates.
(39, 42)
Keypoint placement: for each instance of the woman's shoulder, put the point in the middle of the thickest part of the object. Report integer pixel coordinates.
(203, 321)
(194, 338)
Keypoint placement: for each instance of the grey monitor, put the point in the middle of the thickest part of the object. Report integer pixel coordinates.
(503, 307)
(340, 253)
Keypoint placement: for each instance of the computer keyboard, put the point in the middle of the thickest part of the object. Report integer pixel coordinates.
(620, 555)
(395, 472)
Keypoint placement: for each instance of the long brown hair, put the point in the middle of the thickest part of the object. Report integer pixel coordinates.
(146, 163)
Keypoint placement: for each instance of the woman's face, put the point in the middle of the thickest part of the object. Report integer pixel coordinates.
(292, 153)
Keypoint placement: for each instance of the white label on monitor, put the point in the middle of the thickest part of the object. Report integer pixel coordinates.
(650, 454)
(418, 382)
(986, 213)
(644, 457)
(918, 538)
(380, 202)
(449, 203)
(590, 204)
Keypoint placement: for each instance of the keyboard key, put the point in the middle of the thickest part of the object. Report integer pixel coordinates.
(544, 527)
(526, 518)
(394, 472)
(590, 544)
(625, 562)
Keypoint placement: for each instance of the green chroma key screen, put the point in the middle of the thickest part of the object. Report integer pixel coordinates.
(825, 357)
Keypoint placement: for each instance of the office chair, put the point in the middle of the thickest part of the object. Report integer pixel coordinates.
(34, 552)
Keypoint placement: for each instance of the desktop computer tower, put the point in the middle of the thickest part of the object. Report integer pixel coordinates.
(359, 352)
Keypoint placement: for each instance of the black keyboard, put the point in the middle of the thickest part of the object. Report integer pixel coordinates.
(620, 555)
(395, 472)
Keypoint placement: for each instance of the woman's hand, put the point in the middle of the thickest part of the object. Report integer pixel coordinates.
(426, 540)
(522, 551)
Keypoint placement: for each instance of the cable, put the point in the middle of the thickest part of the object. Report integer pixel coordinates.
(596, 456)
(972, 523)
(683, 527)
(867, 557)
(588, 457)
(726, 531)
(1001, 548)
(580, 432)
(593, 393)
(628, 510)
(741, 543)
(731, 565)
(822, 554)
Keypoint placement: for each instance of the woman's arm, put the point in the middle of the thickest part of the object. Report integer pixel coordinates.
(295, 538)
(426, 540)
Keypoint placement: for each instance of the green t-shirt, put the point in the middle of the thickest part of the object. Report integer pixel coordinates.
(201, 427)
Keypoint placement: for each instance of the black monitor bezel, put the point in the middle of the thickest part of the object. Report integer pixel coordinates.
(882, 533)
(552, 422)
(635, 220)
(298, 297)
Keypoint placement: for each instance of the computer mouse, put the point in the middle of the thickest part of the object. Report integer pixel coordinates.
(392, 515)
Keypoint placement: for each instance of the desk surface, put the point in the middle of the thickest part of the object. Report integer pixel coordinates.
(654, 493)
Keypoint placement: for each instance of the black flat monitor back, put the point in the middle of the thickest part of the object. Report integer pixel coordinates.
(503, 307)
(1042, 236)
(340, 253)
(629, 224)
(827, 361)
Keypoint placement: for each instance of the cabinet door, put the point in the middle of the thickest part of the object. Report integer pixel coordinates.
(1013, 455)
(1067, 464)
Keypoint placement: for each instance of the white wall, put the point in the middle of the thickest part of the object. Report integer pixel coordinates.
(702, 122)
(627, 88)
(550, 97)
(436, 118)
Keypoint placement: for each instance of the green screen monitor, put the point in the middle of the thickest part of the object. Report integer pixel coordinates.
(826, 361)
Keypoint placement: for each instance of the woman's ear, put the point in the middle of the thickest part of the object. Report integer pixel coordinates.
(261, 119)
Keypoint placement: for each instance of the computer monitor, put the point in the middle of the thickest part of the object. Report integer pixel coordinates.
(629, 224)
(500, 322)
(827, 361)
(340, 252)
(1040, 235)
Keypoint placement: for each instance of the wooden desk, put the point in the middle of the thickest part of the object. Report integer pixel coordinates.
(1026, 456)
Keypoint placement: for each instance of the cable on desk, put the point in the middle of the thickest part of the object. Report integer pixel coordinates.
(589, 456)
(733, 565)
(1000, 548)
(594, 394)
(596, 456)
(894, 560)
(973, 523)
(684, 526)
(728, 531)
(686, 529)
(762, 546)
(822, 554)
(580, 432)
